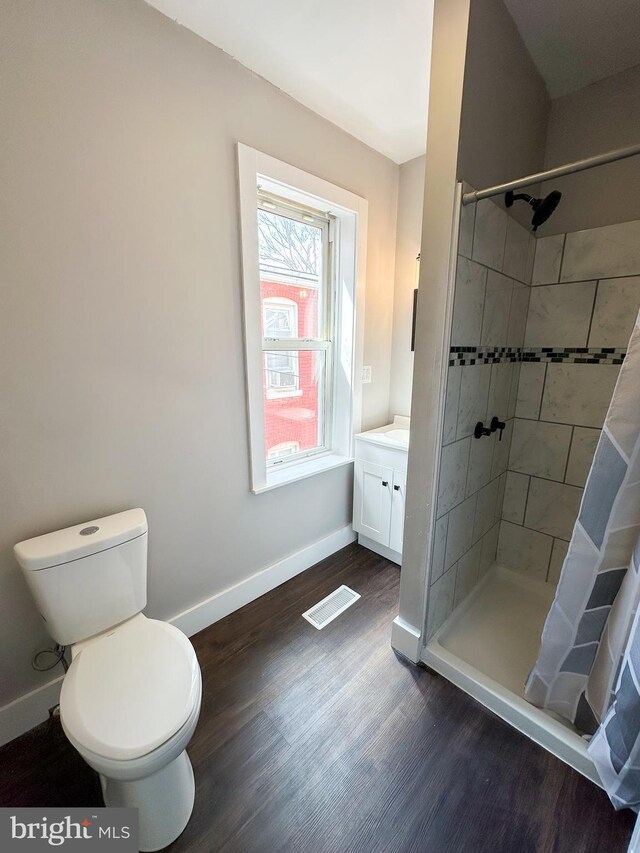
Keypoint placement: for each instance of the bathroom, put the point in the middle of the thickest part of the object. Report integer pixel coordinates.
(130, 380)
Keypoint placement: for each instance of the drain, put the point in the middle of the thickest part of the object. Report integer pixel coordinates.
(333, 605)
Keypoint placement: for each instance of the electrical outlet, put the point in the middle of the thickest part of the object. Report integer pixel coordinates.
(366, 374)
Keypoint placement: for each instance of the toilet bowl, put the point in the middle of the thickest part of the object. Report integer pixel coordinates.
(131, 698)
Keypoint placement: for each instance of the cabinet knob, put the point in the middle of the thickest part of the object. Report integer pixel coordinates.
(385, 482)
(397, 488)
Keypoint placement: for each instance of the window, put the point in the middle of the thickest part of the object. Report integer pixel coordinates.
(279, 322)
(302, 286)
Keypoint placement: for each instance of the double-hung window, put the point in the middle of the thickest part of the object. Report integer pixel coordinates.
(303, 274)
(296, 294)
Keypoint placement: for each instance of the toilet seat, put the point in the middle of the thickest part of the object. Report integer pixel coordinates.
(130, 690)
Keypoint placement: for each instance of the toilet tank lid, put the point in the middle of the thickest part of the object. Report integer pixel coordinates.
(81, 540)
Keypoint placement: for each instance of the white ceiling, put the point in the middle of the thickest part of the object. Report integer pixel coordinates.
(362, 64)
(576, 42)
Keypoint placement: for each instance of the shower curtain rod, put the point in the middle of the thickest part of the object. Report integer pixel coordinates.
(558, 172)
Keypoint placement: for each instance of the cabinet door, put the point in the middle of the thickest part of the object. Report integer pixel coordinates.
(397, 511)
(372, 501)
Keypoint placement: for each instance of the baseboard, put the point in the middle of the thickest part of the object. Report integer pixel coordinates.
(376, 547)
(30, 710)
(406, 639)
(213, 609)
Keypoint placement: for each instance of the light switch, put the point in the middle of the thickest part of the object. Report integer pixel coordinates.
(366, 374)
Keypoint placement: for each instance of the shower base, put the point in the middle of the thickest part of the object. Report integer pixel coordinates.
(487, 648)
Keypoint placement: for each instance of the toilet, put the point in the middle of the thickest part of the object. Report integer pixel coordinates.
(131, 697)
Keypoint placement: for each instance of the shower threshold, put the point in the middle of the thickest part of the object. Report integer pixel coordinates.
(487, 648)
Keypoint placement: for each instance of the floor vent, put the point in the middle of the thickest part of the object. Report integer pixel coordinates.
(333, 605)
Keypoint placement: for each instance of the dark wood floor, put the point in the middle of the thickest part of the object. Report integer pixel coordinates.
(326, 742)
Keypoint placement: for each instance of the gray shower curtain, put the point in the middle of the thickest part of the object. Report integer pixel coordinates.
(590, 647)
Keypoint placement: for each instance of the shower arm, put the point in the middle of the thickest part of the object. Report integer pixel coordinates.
(550, 174)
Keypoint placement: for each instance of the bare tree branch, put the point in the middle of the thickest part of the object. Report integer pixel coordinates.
(289, 243)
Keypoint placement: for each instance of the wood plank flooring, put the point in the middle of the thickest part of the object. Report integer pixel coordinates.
(326, 742)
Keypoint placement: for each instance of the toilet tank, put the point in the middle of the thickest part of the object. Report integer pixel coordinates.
(88, 578)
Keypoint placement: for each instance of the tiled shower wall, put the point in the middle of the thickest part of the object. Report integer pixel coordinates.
(585, 297)
(492, 291)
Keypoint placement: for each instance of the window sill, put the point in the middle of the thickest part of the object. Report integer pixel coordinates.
(301, 471)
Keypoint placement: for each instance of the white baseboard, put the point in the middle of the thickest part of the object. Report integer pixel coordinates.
(406, 639)
(388, 553)
(29, 710)
(212, 609)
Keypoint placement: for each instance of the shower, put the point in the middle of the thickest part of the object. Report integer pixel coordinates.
(542, 207)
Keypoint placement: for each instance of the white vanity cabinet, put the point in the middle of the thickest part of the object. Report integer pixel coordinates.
(380, 478)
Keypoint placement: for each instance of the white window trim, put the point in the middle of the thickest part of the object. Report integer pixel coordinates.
(350, 212)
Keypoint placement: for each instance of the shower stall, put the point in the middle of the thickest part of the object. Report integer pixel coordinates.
(537, 332)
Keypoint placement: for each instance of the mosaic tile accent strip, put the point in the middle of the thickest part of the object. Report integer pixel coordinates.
(575, 355)
(460, 356)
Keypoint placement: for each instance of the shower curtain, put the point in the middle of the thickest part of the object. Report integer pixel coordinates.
(588, 667)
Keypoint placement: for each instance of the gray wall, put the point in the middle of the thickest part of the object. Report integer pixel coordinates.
(409, 231)
(505, 105)
(121, 358)
(598, 118)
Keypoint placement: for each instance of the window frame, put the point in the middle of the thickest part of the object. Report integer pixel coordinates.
(349, 236)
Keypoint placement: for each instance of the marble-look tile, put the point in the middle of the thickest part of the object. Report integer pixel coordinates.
(467, 573)
(501, 449)
(513, 390)
(559, 315)
(578, 393)
(454, 376)
(606, 252)
(467, 220)
(558, 553)
(615, 312)
(489, 234)
(531, 256)
(439, 545)
(500, 389)
(515, 497)
(480, 461)
(489, 550)
(440, 601)
(497, 302)
(502, 487)
(474, 395)
(453, 475)
(540, 448)
(518, 313)
(583, 446)
(530, 389)
(552, 508)
(516, 251)
(460, 532)
(485, 509)
(468, 303)
(546, 266)
(524, 550)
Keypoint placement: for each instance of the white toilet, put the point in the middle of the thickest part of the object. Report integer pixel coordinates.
(131, 698)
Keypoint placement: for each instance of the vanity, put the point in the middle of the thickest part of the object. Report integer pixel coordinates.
(380, 476)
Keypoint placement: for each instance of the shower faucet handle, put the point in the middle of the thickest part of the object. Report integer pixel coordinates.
(481, 430)
(496, 423)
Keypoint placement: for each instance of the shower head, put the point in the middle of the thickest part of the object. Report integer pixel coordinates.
(542, 207)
